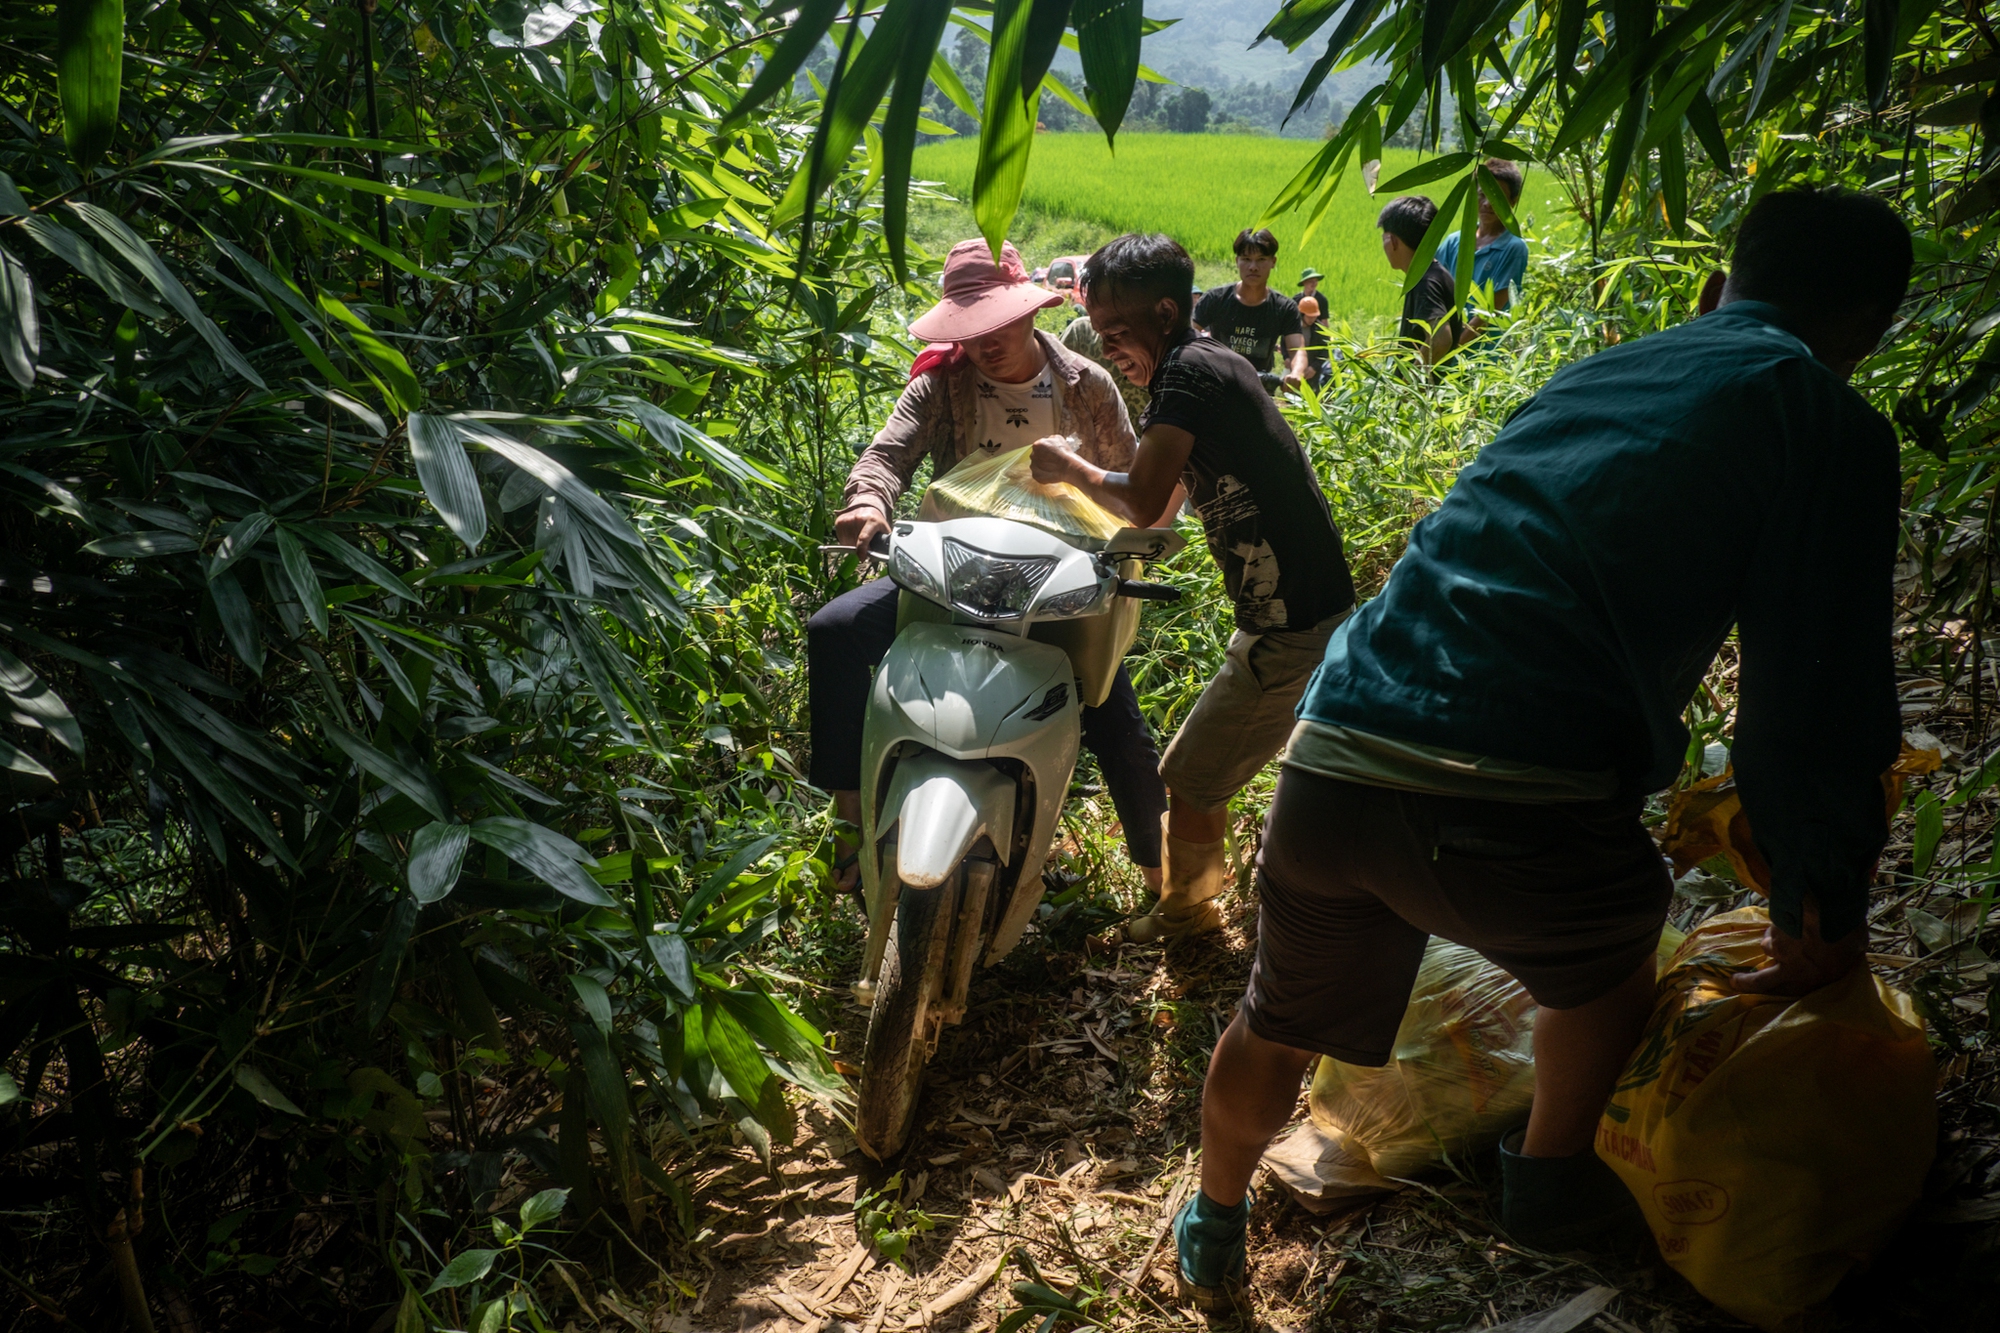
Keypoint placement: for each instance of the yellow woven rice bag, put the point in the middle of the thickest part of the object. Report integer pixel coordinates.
(1002, 487)
(1772, 1143)
(1461, 1075)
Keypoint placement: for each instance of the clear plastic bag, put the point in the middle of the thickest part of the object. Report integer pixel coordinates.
(1002, 487)
(1462, 1073)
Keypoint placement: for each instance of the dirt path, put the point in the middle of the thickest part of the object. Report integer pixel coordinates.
(1054, 1142)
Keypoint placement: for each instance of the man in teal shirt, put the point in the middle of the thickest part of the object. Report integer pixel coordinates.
(1472, 756)
(1499, 257)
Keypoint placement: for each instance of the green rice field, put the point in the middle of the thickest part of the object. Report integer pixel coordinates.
(1202, 189)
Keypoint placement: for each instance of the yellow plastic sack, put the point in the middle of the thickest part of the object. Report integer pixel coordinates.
(1002, 487)
(1772, 1143)
(1462, 1073)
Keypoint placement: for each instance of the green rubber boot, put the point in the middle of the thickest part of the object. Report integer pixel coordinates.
(1210, 1241)
(1556, 1204)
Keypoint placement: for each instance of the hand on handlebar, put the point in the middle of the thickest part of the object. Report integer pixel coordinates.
(859, 525)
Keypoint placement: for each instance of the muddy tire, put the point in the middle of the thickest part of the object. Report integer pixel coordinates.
(902, 1025)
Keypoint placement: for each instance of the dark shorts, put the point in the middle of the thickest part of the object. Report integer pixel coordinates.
(1353, 880)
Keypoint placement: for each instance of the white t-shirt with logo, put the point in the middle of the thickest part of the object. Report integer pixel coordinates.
(1013, 416)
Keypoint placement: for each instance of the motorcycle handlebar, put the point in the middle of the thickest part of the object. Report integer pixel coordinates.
(879, 547)
(1148, 592)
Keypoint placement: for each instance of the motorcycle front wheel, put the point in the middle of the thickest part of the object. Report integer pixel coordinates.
(903, 1024)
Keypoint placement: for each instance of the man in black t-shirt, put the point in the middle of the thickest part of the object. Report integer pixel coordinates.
(1430, 309)
(1250, 319)
(1212, 428)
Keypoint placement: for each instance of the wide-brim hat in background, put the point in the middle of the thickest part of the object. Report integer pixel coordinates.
(980, 295)
(1310, 274)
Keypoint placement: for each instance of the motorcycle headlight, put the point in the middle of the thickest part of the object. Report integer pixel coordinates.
(1076, 602)
(993, 587)
(905, 570)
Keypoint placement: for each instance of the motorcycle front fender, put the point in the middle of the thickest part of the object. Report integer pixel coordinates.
(941, 806)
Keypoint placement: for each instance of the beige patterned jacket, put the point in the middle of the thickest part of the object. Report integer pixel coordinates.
(938, 417)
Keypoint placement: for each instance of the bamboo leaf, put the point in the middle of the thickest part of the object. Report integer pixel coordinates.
(239, 541)
(1425, 172)
(586, 502)
(1007, 131)
(1358, 16)
(20, 326)
(239, 620)
(437, 852)
(596, 1000)
(1434, 235)
(304, 579)
(1879, 34)
(391, 944)
(1708, 133)
(140, 545)
(90, 55)
(545, 853)
(387, 189)
(1569, 36)
(670, 955)
(735, 1054)
(446, 473)
(899, 127)
(407, 778)
(1038, 51)
(73, 250)
(16, 760)
(1673, 181)
(1107, 41)
(259, 1085)
(34, 704)
(140, 256)
(861, 88)
(801, 38)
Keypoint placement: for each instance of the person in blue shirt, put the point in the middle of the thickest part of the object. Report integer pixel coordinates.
(1499, 257)
(1472, 757)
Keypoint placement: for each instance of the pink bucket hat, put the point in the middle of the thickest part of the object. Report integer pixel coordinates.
(980, 295)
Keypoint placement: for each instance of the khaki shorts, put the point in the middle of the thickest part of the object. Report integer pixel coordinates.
(1245, 716)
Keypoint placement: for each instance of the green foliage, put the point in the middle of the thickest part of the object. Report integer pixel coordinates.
(395, 588)
(889, 1224)
(1203, 189)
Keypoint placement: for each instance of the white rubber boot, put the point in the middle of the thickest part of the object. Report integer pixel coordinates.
(1195, 874)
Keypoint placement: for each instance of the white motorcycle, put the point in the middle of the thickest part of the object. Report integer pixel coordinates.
(1003, 633)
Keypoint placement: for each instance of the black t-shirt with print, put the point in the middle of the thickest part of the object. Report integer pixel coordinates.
(1434, 300)
(1261, 507)
(1251, 331)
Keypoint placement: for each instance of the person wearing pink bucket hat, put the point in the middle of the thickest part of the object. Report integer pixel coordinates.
(980, 295)
(989, 382)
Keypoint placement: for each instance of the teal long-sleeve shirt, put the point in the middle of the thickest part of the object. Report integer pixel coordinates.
(1564, 602)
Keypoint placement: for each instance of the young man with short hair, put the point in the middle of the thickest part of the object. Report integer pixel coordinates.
(1250, 319)
(1210, 424)
(1430, 320)
(1499, 257)
(1472, 759)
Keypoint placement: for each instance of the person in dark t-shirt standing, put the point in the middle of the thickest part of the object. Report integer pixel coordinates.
(1211, 427)
(1430, 309)
(1249, 318)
